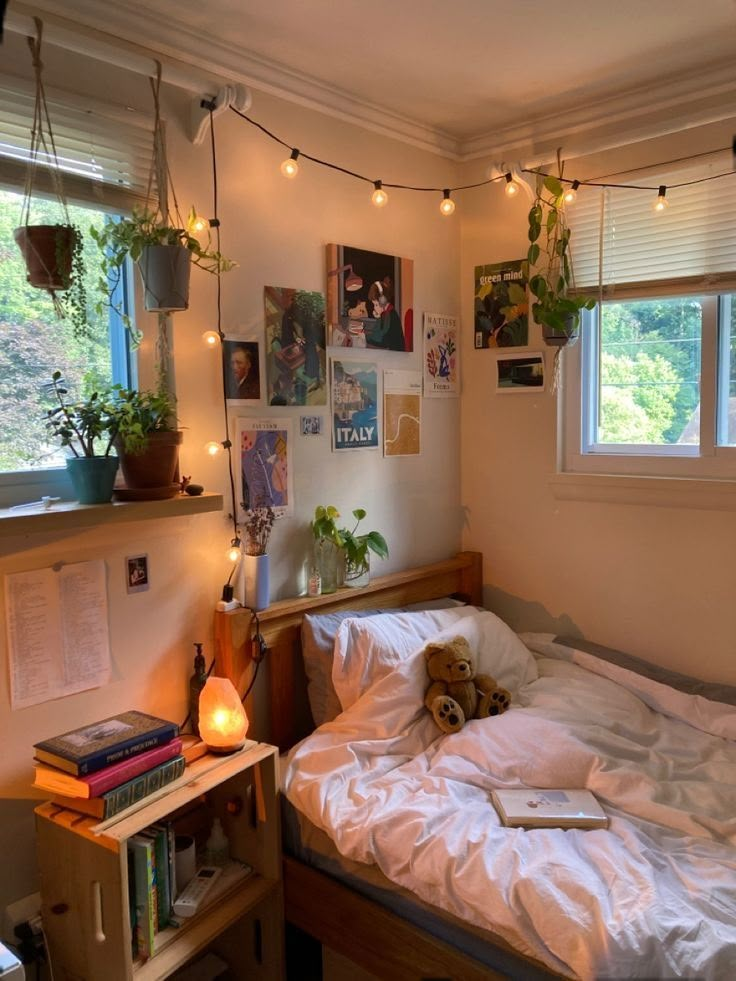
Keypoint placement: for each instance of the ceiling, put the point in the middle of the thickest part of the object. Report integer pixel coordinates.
(460, 69)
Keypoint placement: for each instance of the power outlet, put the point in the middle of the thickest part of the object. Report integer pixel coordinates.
(26, 910)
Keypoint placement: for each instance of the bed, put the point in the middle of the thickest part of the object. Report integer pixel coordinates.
(425, 881)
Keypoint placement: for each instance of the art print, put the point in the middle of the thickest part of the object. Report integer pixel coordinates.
(501, 304)
(136, 573)
(264, 451)
(241, 371)
(402, 413)
(295, 346)
(354, 405)
(370, 299)
(441, 376)
(310, 425)
(520, 373)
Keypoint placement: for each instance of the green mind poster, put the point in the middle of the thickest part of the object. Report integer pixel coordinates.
(501, 304)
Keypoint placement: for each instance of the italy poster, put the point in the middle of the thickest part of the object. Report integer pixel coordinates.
(501, 304)
(354, 405)
(441, 376)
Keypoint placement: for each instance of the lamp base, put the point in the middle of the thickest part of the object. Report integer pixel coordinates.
(224, 750)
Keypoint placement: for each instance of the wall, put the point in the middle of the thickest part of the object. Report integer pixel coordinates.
(655, 581)
(277, 232)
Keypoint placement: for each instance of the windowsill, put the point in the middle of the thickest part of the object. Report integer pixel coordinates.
(668, 492)
(70, 514)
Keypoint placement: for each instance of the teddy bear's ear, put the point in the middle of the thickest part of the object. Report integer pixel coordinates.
(431, 649)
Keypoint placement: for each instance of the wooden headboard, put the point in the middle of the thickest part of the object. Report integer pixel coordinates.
(280, 627)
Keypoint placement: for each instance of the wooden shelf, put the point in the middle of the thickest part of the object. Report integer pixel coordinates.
(68, 514)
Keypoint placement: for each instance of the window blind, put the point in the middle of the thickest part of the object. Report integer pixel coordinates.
(691, 245)
(104, 151)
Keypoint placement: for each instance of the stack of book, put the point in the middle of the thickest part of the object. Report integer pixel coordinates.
(103, 768)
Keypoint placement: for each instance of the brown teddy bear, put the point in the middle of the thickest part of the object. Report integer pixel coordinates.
(457, 694)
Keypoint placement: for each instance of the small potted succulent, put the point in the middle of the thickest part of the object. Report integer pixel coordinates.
(357, 549)
(147, 441)
(88, 428)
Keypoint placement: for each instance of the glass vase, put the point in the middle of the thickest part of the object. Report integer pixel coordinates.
(357, 573)
(325, 560)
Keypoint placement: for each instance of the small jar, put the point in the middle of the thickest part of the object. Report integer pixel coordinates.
(314, 587)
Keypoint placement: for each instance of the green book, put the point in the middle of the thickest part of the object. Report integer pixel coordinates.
(114, 801)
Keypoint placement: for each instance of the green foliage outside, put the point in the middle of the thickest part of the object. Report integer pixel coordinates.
(34, 344)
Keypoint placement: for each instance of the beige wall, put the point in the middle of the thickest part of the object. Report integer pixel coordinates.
(655, 581)
(277, 232)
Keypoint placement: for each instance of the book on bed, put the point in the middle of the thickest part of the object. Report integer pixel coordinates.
(528, 808)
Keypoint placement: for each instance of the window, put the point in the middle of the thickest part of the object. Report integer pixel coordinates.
(651, 388)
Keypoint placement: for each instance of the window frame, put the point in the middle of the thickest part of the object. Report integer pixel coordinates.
(708, 460)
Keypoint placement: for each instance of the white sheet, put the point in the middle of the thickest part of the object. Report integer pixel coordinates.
(652, 896)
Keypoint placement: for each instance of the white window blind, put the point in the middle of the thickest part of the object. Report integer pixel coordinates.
(689, 245)
(104, 150)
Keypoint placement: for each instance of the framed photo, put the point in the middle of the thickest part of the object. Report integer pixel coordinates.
(265, 471)
(241, 371)
(370, 298)
(520, 373)
(136, 573)
(295, 346)
(310, 425)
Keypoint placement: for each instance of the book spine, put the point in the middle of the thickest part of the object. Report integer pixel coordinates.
(117, 799)
(142, 851)
(109, 778)
(131, 747)
(161, 845)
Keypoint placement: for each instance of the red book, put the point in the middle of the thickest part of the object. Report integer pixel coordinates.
(59, 782)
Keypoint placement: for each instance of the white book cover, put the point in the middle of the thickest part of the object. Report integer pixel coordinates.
(529, 808)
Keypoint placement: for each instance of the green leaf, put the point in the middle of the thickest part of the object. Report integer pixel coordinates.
(359, 514)
(533, 254)
(551, 220)
(535, 215)
(377, 543)
(538, 286)
(534, 232)
(553, 186)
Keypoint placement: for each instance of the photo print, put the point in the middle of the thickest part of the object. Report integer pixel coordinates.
(241, 371)
(310, 425)
(295, 346)
(520, 373)
(369, 299)
(501, 304)
(266, 470)
(136, 571)
(354, 405)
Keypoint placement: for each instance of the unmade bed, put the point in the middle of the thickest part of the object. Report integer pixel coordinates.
(654, 895)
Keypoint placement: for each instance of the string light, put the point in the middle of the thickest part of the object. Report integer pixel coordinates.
(213, 448)
(233, 553)
(211, 338)
(290, 168)
(512, 187)
(198, 224)
(570, 195)
(379, 196)
(447, 205)
(661, 203)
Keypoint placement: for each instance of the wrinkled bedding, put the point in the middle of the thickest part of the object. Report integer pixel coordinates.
(654, 895)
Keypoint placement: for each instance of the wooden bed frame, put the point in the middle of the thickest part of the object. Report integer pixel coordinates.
(352, 925)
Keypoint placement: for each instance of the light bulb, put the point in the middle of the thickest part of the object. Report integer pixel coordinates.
(447, 205)
(512, 187)
(570, 195)
(211, 338)
(213, 448)
(661, 203)
(379, 196)
(290, 168)
(198, 224)
(233, 553)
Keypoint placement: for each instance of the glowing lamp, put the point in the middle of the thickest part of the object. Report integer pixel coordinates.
(570, 195)
(213, 448)
(222, 719)
(379, 196)
(197, 224)
(661, 203)
(233, 553)
(512, 187)
(290, 168)
(447, 205)
(211, 338)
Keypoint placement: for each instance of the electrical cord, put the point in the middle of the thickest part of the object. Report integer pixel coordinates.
(257, 655)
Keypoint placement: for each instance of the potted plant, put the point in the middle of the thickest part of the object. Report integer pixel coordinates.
(554, 309)
(327, 545)
(163, 252)
(255, 560)
(357, 549)
(81, 426)
(147, 442)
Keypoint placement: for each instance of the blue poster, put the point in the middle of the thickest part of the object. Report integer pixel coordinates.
(354, 405)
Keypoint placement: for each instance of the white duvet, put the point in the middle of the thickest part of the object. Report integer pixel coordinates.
(653, 896)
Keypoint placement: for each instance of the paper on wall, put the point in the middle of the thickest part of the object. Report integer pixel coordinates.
(58, 635)
(402, 413)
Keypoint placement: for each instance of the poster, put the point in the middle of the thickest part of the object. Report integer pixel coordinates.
(241, 371)
(502, 304)
(441, 377)
(354, 405)
(370, 299)
(520, 373)
(264, 451)
(402, 413)
(295, 346)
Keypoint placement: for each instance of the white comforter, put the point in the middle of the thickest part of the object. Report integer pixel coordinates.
(654, 895)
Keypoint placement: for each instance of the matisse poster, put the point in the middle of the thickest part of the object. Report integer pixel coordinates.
(402, 413)
(266, 470)
(441, 379)
(501, 304)
(295, 346)
(354, 405)
(370, 299)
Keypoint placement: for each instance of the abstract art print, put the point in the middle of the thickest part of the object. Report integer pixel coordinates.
(370, 299)
(402, 413)
(295, 346)
(354, 405)
(441, 378)
(265, 473)
(501, 304)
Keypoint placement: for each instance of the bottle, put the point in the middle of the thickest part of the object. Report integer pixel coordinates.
(196, 684)
(314, 587)
(217, 849)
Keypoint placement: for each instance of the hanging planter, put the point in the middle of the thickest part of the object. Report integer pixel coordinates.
(165, 273)
(47, 251)
(568, 334)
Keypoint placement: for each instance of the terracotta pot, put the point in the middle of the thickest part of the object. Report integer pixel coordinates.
(47, 250)
(154, 469)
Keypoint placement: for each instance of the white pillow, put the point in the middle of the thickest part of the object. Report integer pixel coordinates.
(368, 650)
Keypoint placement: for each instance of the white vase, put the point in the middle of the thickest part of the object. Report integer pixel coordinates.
(255, 582)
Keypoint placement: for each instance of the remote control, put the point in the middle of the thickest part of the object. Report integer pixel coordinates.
(190, 898)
